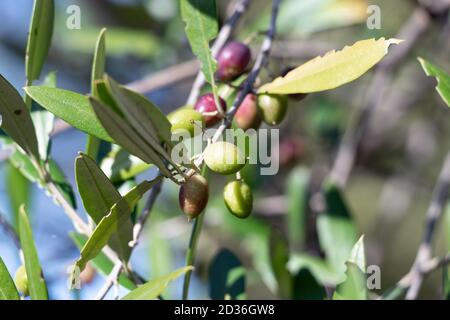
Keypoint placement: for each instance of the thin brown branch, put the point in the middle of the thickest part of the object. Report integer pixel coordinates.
(411, 31)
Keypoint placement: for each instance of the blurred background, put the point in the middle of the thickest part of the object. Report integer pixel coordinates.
(389, 188)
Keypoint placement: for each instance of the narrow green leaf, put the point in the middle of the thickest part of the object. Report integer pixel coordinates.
(354, 287)
(71, 107)
(19, 190)
(101, 262)
(97, 192)
(39, 37)
(99, 195)
(154, 288)
(200, 17)
(98, 69)
(119, 213)
(279, 257)
(36, 283)
(298, 196)
(126, 136)
(16, 120)
(8, 289)
(442, 77)
(226, 277)
(336, 229)
(23, 164)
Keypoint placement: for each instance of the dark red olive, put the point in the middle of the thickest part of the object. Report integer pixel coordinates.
(193, 196)
(233, 60)
(247, 116)
(206, 104)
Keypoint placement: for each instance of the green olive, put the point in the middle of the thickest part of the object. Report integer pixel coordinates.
(185, 119)
(238, 198)
(272, 108)
(193, 196)
(224, 158)
(21, 280)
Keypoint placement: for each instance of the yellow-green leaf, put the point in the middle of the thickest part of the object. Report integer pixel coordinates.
(443, 79)
(334, 69)
(8, 290)
(152, 289)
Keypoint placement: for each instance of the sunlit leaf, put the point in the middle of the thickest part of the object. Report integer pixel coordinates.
(71, 107)
(354, 287)
(333, 70)
(39, 37)
(36, 283)
(154, 288)
(442, 77)
(8, 289)
(16, 120)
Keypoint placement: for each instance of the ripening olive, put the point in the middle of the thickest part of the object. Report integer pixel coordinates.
(185, 118)
(193, 196)
(224, 157)
(21, 280)
(238, 198)
(247, 116)
(206, 104)
(272, 108)
(232, 60)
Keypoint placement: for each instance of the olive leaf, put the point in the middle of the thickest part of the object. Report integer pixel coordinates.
(36, 283)
(109, 224)
(333, 70)
(126, 136)
(200, 17)
(8, 290)
(16, 120)
(39, 37)
(98, 69)
(226, 277)
(99, 195)
(102, 263)
(443, 79)
(19, 190)
(279, 257)
(71, 107)
(154, 288)
(354, 287)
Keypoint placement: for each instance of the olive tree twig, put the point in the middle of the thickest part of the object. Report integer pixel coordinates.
(222, 38)
(260, 62)
(439, 199)
(411, 31)
(112, 278)
(139, 226)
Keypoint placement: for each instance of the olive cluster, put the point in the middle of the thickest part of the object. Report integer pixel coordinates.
(224, 157)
